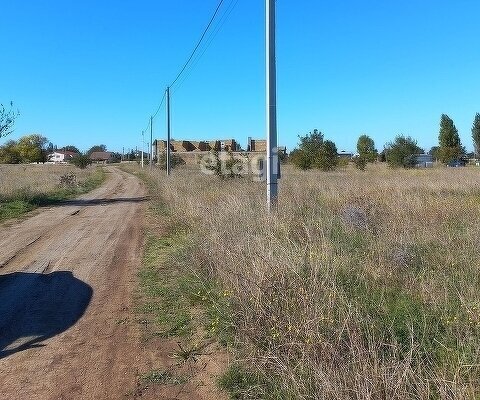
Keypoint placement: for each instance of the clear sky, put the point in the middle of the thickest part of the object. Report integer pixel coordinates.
(90, 72)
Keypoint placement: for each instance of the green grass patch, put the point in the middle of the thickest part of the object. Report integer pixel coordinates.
(14, 208)
(171, 292)
(161, 377)
(165, 302)
(94, 180)
(177, 299)
(216, 303)
(242, 384)
(398, 315)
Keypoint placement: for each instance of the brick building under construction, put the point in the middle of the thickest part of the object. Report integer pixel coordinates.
(186, 146)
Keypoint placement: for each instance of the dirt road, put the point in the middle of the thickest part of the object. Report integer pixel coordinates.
(67, 275)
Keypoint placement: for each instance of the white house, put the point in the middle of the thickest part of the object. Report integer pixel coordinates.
(60, 156)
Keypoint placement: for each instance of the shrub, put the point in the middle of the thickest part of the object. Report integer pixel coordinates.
(300, 159)
(343, 162)
(360, 162)
(315, 152)
(401, 152)
(175, 160)
(68, 180)
(224, 167)
(81, 161)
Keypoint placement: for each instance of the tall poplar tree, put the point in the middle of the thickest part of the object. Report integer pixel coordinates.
(450, 146)
(476, 134)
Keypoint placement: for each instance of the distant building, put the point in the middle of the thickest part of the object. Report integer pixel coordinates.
(255, 145)
(184, 146)
(159, 146)
(423, 160)
(102, 157)
(225, 145)
(181, 145)
(345, 155)
(60, 156)
(192, 151)
(457, 163)
(200, 146)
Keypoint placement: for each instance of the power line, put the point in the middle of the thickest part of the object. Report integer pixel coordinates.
(146, 128)
(198, 44)
(154, 114)
(159, 107)
(210, 39)
(192, 55)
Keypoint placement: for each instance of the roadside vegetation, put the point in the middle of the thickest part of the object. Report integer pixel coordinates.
(363, 285)
(178, 305)
(26, 187)
(314, 152)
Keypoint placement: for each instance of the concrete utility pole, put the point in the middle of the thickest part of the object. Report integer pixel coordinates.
(168, 130)
(143, 145)
(151, 143)
(271, 80)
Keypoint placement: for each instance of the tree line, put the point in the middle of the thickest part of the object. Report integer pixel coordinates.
(316, 152)
(313, 150)
(36, 149)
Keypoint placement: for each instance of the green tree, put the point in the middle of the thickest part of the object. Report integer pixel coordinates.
(50, 147)
(476, 134)
(450, 147)
(32, 148)
(300, 159)
(434, 152)
(401, 152)
(81, 161)
(9, 153)
(315, 152)
(97, 147)
(366, 152)
(327, 158)
(366, 148)
(71, 148)
(7, 119)
(312, 143)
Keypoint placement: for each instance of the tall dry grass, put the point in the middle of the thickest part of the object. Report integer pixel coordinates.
(42, 178)
(364, 285)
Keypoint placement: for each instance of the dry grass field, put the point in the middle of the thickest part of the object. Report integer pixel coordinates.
(364, 285)
(24, 187)
(35, 178)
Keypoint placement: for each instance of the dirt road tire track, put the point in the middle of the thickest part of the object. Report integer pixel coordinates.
(93, 242)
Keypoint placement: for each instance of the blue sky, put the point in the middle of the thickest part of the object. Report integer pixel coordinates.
(90, 72)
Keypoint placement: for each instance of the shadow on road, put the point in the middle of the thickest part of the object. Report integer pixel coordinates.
(96, 202)
(35, 307)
